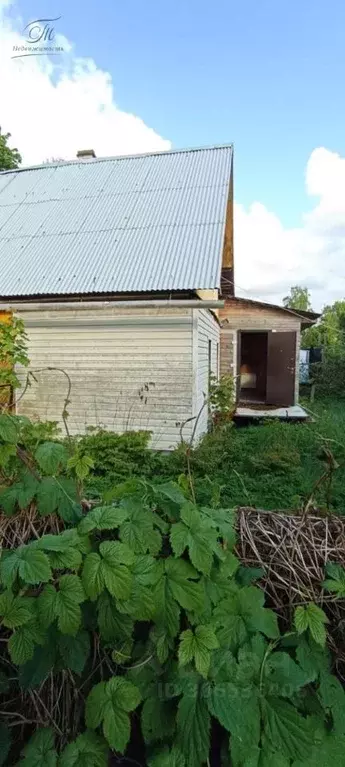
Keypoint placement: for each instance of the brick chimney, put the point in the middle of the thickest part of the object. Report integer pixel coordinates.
(86, 154)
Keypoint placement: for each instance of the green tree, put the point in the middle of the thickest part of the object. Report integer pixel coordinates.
(9, 158)
(298, 298)
(330, 330)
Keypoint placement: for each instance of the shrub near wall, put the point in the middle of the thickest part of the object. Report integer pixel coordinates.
(136, 631)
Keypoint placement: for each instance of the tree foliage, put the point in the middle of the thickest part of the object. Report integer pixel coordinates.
(298, 298)
(142, 604)
(9, 158)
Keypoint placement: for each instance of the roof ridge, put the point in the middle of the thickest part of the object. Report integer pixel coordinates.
(94, 160)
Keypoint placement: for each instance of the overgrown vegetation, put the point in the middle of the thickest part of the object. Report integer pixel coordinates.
(129, 628)
(136, 630)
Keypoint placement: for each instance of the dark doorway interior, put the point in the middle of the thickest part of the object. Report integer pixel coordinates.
(253, 367)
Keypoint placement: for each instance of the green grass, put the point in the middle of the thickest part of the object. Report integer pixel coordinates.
(275, 465)
(272, 465)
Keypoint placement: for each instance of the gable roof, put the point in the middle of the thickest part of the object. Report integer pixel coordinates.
(134, 224)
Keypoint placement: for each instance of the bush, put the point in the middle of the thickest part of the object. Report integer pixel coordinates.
(116, 454)
(329, 375)
(136, 631)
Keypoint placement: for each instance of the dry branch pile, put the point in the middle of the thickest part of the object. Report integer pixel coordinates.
(293, 552)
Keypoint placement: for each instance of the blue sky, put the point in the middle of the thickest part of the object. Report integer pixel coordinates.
(268, 76)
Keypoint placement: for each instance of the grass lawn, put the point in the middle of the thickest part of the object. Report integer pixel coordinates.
(271, 465)
(275, 465)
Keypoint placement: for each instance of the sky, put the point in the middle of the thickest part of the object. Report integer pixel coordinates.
(143, 76)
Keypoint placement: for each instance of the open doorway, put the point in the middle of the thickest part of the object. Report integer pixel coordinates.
(253, 367)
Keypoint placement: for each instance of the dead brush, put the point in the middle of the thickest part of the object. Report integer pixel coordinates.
(293, 551)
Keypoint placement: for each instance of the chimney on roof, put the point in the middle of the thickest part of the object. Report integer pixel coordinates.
(86, 154)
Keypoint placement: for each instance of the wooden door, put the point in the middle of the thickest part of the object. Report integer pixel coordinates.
(281, 369)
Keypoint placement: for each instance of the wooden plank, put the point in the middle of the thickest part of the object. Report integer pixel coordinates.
(281, 369)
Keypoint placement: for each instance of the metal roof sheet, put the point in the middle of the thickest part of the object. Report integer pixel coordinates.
(113, 225)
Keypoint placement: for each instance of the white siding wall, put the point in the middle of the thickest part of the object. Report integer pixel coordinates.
(206, 329)
(127, 371)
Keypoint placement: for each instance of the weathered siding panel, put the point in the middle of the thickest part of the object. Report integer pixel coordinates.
(238, 316)
(127, 371)
(207, 331)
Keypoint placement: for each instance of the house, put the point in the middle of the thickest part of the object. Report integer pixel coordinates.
(260, 342)
(118, 267)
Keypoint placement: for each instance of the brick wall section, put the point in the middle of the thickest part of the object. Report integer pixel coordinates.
(226, 352)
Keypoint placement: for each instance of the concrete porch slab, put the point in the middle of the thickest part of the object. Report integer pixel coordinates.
(293, 413)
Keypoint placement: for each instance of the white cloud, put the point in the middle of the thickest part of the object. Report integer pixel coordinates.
(270, 258)
(55, 106)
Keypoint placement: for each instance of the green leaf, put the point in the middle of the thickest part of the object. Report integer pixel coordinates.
(88, 750)
(329, 753)
(47, 605)
(313, 618)
(6, 452)
(8, 499)
(54, 542)
(237, 710)
(26, 490)
(28, 562)
(15, 611)
(22, 643)
(197, 645)
(34, 566)
(103, 518)
(8, 428)
(95, 705)
(5, 743)
(157, 719)
(193, 726)
(113, 625)
(48, 496)
(81, 465)
(111, 570)
(69, 508)
(198, 534)
(283, 676)
(70, 559)
(286, 729)
(116, 557)
(92, 576)
(141, 603)
(40, 751)
(51, 457)
(336, 581)
(243, 614)
(312, 658)
(110, 703)
(138, 529)
(181, 578)
(168, 758)
(68, 600)
(332, 697)
(176, 586)
(75, 651)
(170, 490)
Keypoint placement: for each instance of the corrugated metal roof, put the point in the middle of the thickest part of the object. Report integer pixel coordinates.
(113, 225)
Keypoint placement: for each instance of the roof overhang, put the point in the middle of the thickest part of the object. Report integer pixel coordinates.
(307, 318)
